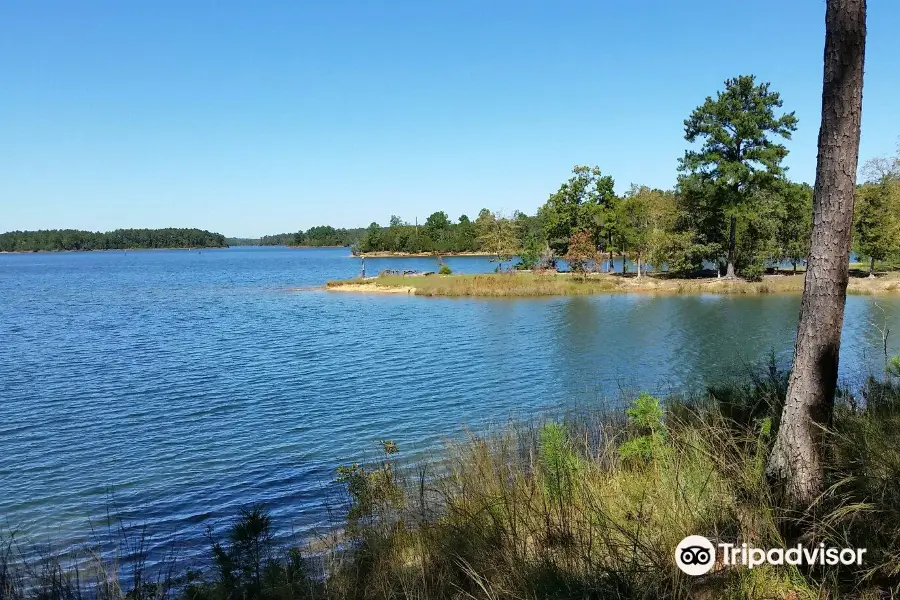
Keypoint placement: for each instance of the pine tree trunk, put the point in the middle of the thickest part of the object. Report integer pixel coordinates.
(732, 232)
(638, 266)
(795, 465)
(872, 266)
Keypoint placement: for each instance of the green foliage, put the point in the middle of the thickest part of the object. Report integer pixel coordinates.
(735, 129)
(248, 565)
(794, 222)
(893, 366)
(326, 235)
(737, 159)
(530, 257)
(645, 416)
(437, 235)
(560, 464)
(754, 271)
(583, 203)
(498, 236)
(372, 491)
(318, 236)
(277, 239)
(71, 239)
(445, 270)
(877, 220)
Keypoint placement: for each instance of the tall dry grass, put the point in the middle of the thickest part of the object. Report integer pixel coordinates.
(528, 284)
(594, 507)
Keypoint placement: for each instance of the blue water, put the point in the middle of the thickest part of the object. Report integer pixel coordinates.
(172, 387)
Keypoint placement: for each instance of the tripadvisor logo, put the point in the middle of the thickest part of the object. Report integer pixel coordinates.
(696, 555)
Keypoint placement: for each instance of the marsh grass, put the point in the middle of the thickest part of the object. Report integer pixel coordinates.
(528, 284)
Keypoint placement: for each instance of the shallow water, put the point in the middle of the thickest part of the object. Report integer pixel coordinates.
(172, 387)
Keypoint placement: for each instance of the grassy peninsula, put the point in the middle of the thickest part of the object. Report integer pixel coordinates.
(525, 284)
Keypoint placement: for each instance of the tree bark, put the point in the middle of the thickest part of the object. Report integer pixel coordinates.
(796, 466)
(732, 232)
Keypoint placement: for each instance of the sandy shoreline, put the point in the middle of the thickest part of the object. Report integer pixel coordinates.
(416, 254)
(370, 287)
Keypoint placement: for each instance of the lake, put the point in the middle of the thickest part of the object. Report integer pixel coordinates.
(172, 387)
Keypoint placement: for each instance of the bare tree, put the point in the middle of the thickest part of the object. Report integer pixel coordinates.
(796, 466)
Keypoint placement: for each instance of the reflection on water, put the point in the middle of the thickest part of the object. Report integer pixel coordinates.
(185, 384)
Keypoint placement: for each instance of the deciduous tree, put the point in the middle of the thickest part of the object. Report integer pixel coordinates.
(498, 235)
(582, 252)
(877, 222)
(794, 222)
(583, 203)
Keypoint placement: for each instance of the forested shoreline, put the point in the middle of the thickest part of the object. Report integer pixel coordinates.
(320, 236)
(733, 205)
(55, 240)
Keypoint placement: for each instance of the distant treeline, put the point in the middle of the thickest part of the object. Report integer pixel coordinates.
(321, 235)
(73, 239)
(440, 234)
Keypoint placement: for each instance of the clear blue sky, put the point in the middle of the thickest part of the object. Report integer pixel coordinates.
(259, 117)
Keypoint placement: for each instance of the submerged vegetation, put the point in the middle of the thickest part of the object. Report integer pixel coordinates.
(524, 284)
(588, 506)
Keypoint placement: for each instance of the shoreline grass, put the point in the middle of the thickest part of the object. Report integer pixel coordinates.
(591, 505)
(527, 284)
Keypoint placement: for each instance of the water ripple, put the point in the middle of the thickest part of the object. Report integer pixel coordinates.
(172, 388)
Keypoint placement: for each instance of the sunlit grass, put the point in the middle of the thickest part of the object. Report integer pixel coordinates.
(565, 284)
(559, 509)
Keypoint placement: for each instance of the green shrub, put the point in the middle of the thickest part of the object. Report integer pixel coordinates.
(372, 491)
(248, 565)
(530, 256)
(445, 270)
(559, 463)
(894, 366)
(754, 271)
(645, 416)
